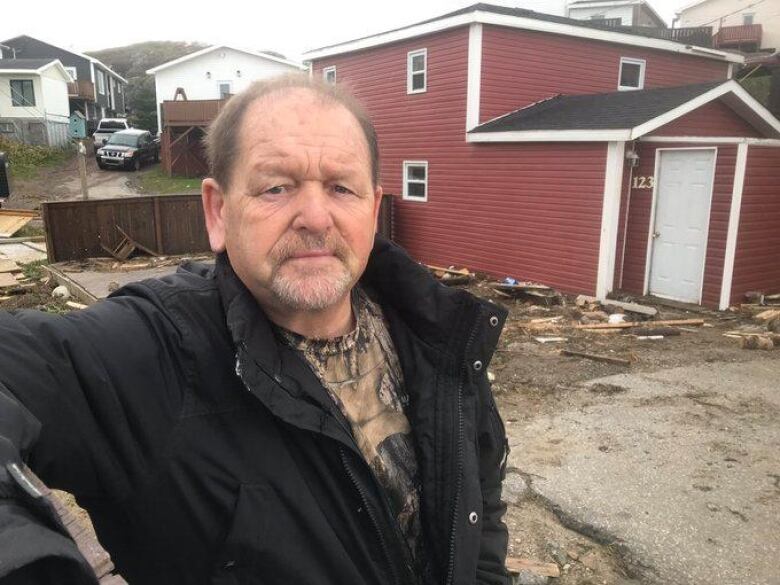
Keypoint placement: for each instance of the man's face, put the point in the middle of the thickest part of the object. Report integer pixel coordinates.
(299, 218)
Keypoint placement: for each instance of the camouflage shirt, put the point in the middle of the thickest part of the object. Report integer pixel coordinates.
(362, 375)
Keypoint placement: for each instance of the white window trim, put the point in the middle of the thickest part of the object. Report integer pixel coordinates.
(227, 82)
(631, 61)
(326, 70)
(414, 163)
(101, 82)
(72, 72)
(409, 58)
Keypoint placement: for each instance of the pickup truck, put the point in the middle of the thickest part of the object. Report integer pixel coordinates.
(106, 127)
(128, 149)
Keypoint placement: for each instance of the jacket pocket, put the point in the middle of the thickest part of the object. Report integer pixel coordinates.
(238, 561)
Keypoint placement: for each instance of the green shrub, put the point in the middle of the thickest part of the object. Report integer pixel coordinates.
(26, 159)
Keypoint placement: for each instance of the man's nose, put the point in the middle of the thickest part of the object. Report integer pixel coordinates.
(313, 208)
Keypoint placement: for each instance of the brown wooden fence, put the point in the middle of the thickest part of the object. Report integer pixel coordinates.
(167, 224)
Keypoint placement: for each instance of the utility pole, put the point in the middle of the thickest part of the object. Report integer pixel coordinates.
(82, 156)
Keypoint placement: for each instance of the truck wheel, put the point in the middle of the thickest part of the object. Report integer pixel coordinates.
(100, 164)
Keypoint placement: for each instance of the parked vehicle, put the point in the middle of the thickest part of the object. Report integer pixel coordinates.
(106, 127)
(128, 149)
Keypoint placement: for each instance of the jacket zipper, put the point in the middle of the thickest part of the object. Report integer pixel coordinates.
(459, 480)
(349, 471)
(372, 517)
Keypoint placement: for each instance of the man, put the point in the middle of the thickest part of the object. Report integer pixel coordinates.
(314, 409)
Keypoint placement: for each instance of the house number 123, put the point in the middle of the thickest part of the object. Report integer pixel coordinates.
(644, 182)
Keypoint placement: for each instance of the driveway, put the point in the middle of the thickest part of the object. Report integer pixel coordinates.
(678, 469)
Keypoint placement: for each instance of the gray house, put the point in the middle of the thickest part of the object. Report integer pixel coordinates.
(94, 89)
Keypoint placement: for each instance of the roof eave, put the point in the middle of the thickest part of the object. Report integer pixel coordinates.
(521, 22)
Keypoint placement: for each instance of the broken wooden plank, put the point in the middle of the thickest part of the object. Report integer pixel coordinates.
(457, 271)
(767, 315)
(654, 331)
(630, 307)
(596, 357)
(763, 342)
(630, 324)
(12, 220)
(75, 305)
(517, 564)
(9, 266)
(7, 279)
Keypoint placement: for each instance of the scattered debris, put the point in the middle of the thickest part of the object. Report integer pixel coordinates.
(126, 246)
(616, 318)
(768, 315)
(76, 306)
(551, 339)
(7, 279)
(516, 289)
(630, 324)
(757, 342)
(12, 220)
(583, 300)
(654, 331)
(451, 276)
(516, 564)
(61, 292)
(650, 337)
(596, 357)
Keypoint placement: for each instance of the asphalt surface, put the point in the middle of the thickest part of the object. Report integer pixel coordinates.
(679, 468)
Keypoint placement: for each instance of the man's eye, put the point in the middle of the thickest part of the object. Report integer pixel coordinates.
(342, 189)
(278, 190)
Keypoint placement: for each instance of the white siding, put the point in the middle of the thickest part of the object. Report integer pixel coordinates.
(55, 95)
(222, 65)
(9, 111)
(710, 13)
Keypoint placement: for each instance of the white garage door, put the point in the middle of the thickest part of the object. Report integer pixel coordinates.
(682, 218)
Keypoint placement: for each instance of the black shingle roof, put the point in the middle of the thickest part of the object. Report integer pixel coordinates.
(603, 111)
(646, 32)
(31, 64)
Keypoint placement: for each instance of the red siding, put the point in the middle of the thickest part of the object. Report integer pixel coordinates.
(639, 222)
(712, 119)
(757, 260)
(532, 211)
(520, 67)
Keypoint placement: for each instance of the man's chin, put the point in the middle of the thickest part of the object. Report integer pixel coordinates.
(312, 292)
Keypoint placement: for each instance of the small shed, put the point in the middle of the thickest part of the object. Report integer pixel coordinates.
(77, 127)
(689, 188)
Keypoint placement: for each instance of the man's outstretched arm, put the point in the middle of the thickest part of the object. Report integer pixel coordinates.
(73, 392)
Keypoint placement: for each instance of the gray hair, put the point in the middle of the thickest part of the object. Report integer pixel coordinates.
(223, 148)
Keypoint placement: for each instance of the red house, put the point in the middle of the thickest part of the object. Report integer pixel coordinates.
(555, 150)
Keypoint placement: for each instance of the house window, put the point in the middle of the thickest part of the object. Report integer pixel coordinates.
(415, 181)
(416, 63)
(7, 128)
(72, 72)
(748, 18)
(22, 93)
(101, 81)
(632, 74)
(329, 74)
(225, 89)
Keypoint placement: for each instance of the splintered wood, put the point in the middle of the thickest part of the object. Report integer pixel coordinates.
(517, 564)
(83, 535)
(12, 220)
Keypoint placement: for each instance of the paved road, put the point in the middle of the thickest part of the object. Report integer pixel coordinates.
(681, 467)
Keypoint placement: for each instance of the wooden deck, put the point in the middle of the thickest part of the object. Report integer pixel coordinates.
(747, 35)
(190, 112)
(81, 89)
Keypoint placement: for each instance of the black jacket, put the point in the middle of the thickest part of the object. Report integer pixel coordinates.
(207, 452)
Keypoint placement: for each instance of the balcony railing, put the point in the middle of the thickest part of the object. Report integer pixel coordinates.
(81, 89)
(746, 35)
(191, 112)
(701, 36)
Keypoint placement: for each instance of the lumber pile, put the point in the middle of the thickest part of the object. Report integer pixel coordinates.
(451, 276)
(764, 335)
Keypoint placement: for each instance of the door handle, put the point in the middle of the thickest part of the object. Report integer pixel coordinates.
(656, 235)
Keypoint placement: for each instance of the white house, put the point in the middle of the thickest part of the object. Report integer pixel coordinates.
(628, 12)
(747, 25)
(214, 73)
(34, 105)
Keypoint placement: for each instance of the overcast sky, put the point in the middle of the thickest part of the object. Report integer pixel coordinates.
(290, 27)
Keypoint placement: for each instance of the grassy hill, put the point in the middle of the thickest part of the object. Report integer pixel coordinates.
(131, 62)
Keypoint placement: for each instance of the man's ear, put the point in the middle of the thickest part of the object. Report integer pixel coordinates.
(214, 210)
(377, 205)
